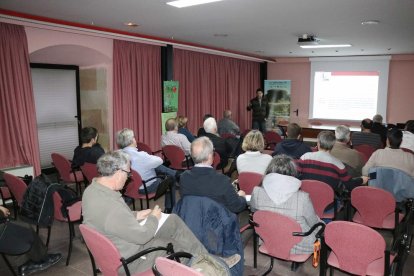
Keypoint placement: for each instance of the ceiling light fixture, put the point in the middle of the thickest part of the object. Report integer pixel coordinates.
(370, 22)
(325, 46)
(131, 24)
(188, 3)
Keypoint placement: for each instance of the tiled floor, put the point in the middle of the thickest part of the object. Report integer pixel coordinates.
(80, 262)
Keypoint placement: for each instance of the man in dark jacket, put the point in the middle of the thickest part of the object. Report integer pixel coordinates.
(203, 179)
(260, 111)
(292, 146)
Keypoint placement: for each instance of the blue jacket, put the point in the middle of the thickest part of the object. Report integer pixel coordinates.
(216, 227)
(395, 181)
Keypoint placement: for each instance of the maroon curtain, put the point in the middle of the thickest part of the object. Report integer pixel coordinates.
(212, 84)
(19, 142)
(137, 90)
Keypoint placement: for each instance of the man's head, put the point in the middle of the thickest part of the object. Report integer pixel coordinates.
(409, 126)
(171, 124)
(366, 124)
(394, 136)
(259, 93)
(125, 138)
(253, 141)
(377, 119)
(87, 134)
(116, 167)
(210, 125)
(293, 131)
(342, 134)
(182, 121)
(227, 114)
(282, 164)
(326, 140)
(202, 151)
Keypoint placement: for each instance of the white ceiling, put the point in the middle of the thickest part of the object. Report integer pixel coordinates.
(267, 28)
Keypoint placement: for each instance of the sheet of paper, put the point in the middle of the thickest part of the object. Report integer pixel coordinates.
(160, 222)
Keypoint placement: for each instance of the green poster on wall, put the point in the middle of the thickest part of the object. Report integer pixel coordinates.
(170, 96)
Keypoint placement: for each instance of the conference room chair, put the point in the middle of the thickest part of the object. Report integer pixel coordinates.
(73, 215)
(106, 257)
(357, 249)
(271, 139)
(66, 173)
(244, 133)
(365, 150)
(17, 187)
(322, 195)
(144, 147)
(166, 266)
(375, 208)
(90, 171)
(228, 135)
(176, 156)
(280, 234)
(248, 180)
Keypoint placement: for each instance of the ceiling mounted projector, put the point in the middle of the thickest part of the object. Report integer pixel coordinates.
(307, 40)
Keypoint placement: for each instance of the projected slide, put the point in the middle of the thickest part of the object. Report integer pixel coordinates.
(348, 95)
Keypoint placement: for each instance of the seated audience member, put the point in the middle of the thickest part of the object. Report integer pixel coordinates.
(292, 145)
(379, 128)
(221, 145)
(204, 180)
(90, 150)
(145, 164)
(280, 193)
(344, 153)
(365, 136)
(322, 166)
(253, 160)
(201, 131)
(15, 237)
(408, 136)
(172, 137)
(227, 126)
(104, 209)
(392, 156)
(182, 128)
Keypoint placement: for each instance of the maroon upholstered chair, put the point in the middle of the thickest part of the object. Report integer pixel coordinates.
(176, 156)
(106, 255)
(144, 147)
(17, 188)
(90, 171)
(357, 249)
(321, 195)
(132, 187)
(365, 150)
(164, 266)
(248, 180)
(74, 214)
(66, 173)
(271, 139)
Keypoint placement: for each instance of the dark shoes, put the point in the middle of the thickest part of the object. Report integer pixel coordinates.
(31, 267)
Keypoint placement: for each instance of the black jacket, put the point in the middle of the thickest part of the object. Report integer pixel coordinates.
(88, 155)
(260, 110)
(292, 147)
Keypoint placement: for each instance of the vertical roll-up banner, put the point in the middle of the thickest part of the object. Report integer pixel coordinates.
(277, 93)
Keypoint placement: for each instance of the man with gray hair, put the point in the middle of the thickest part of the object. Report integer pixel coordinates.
(221, 145)
(322, 166)
(204, 180)
(379, 128)
(227, 125)
(351, 158)
(131, 232)
(172, 137)
(145, 164)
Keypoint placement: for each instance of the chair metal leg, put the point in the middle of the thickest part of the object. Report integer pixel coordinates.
(8, 264)
(94, 269)
(270, 268)
(49, 229)
(71, 235)
(142, 206)
(294, 266)
(331, 271)
(255, 238)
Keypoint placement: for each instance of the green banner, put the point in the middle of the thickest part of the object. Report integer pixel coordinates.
(170, 96)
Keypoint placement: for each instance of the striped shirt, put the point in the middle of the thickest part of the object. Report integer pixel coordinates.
(366, 138)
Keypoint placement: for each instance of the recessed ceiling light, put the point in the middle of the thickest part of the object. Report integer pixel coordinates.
(131, 24)
(370, 22)
(188, 3)
(325, 46)
(221, 35)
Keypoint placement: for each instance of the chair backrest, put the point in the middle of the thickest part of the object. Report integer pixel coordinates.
(320, 193)
(216, 160)
(104, 252)
(272, 138)
(249, 180)
(63, 166)
(144, 147)
(90, 171)
(228, 135)
(407, 150)
(355, 245)
(132, 187)
(167, 267)
(365, 150)
(174, 154)
(372, 204)
(74, 211)
(276, 232)
(16, 186)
